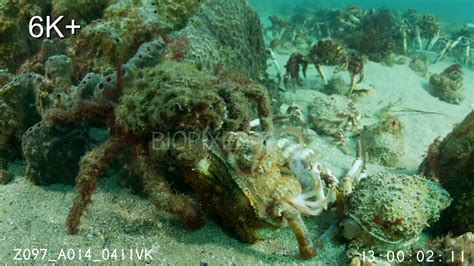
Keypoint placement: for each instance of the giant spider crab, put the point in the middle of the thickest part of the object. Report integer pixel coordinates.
(152, 123)
(325, 52)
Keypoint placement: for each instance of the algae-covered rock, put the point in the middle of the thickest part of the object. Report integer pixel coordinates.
(450, 161)
(419, 66)
(82, 11)
(448, 85)
(383, 141)
(228, 35)
(17, 104)
(59, 70)
(88, 84)
(8, 123)
(16, 44)
(107, 88)
(114, 38)
(48, 49)
(53, 151)
(388, 211)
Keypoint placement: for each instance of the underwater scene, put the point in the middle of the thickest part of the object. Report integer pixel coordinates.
(236, 132)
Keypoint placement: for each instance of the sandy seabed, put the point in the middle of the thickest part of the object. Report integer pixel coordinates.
(34, 216)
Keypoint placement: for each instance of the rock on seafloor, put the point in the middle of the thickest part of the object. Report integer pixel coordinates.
(451, 162)
(53, 151)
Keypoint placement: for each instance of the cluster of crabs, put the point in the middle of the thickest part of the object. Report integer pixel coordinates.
(242, 170)
(325, 52)
(425, 31)
(374, 33)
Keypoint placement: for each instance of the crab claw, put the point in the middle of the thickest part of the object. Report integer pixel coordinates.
(305, 66)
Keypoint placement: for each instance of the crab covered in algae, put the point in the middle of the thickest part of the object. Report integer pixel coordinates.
(389, 211)
(334, 116)
(383, 141)
(152, 124)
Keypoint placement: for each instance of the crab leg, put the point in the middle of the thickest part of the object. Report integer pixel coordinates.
(351, 89)
(298, 227)
(358, 166)
(285, 81)
(457, 41)
(467, 51)
(318, 31)
(275, 63)
(433, 41)
(448, 47)
(445, 50)
(340, 67)
(321, 73)
(354, 19)
(418, 38)
(404, 41)
(329, 32)
(294, 82)
(161, 195)
(92, 165)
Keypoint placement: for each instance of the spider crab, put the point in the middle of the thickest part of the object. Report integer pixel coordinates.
(325, 52)
(153, 115)
(464, 43)
(328, 52)
(293, 68)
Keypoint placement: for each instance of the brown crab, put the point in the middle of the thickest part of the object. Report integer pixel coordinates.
(293, 68)
(328, 52)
